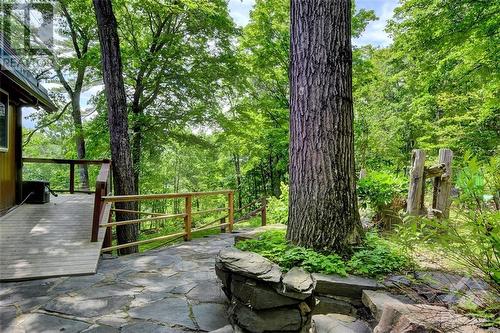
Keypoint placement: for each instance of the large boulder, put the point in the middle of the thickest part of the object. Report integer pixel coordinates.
(248, 264)
(419, 318)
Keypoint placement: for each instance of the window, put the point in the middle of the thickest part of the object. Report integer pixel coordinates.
(4, 121)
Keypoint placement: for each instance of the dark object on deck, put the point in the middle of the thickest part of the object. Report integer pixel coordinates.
(36, 191)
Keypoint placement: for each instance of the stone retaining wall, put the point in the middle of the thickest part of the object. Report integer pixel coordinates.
(263, 299)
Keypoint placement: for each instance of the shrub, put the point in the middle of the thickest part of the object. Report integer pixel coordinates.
(384, 194)
(277, 208)
(379, 189)
(375, 258)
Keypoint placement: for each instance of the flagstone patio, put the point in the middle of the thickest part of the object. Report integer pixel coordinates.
(173, 289)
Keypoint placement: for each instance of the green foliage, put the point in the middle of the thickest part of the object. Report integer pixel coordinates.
(273, 246)
(375, 258)
(378, 189)
(277, 208)
(479, 184)
(471, 236)
(378, 257)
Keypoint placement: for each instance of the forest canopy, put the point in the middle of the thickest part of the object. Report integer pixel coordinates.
(208, 101)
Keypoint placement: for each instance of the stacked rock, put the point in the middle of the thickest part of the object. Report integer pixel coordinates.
(263, 298)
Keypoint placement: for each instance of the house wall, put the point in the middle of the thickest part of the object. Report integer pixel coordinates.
(8, 166)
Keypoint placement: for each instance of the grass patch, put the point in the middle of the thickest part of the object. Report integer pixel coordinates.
(375, 258)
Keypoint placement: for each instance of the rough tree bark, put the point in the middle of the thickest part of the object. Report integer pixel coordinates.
(123, 175)
(323, 210)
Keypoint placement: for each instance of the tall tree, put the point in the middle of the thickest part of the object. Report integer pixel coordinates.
(123, 174)
(323, 212)
(177, 56)
(70, 62)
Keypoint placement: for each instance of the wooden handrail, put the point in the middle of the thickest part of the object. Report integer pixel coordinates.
(143, 197)
(63, 160)
(71, 163)
(102, 209)
(145, 241)
(138, 221)
(215, 210)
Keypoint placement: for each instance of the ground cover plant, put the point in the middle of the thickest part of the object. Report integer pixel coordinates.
(376, 257)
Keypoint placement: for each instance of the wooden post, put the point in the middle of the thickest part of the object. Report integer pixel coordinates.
(97, 211)
(264, 212)
(230, 199)
(223, 227)
(442, 184)
(71, 177)
(415, 204)
(108, 237)
(188, 217)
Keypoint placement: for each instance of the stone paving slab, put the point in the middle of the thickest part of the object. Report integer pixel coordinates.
(168, 290)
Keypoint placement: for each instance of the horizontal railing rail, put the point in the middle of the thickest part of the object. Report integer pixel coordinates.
(187, 215)
(258, 205)
(71, 163)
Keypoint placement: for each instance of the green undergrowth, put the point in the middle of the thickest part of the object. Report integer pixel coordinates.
(375, 258)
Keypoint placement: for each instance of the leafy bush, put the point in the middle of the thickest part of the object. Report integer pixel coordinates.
(375, 258)
(277, 208)
(379, 189)
(378, 257)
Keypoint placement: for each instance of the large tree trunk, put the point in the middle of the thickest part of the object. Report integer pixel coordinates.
(117, 119)
(79, 138)
(323, 211)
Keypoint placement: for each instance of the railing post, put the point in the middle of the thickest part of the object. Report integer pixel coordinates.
(188, 217)
(264, 212)
(108, 237)
(415, 202)
(223, 227)
(71, 177)
(230, 199)
(97, 211)
(442, 185)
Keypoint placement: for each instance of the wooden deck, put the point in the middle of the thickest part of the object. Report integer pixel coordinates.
(40, 241)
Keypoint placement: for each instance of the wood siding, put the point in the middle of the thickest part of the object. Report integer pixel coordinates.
(8, 171)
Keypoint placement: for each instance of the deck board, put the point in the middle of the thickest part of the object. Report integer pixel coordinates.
(41, 241)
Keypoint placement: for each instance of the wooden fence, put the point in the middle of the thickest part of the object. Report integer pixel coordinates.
(103, 217)
(441, 173)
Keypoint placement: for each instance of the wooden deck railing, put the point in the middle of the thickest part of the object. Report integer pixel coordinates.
(102, 188)
(187, 215)
(71, 163)
(101, 210)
